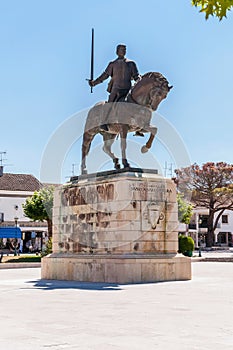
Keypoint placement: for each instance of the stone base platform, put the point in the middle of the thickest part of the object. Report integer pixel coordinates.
(116, 227)
(117, 268)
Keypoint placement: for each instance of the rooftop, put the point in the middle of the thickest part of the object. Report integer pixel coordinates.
(19, 182)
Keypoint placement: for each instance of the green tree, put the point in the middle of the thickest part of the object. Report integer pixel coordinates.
(185, 209)
(39, 206)
(210, 186)
(216, 8)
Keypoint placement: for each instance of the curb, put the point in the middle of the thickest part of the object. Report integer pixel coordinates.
(213, 259)
(219, 259)
(19, 265)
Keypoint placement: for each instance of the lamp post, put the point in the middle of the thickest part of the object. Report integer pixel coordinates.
(199, 223)
(200, 248)
(16, 225)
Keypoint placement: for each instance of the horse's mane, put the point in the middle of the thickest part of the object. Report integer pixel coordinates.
(142, 87)
(156, 77)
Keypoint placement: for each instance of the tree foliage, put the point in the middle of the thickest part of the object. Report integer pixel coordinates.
(39, 206)
(216, 8)
(48, 248)
(185, 209)
(210, 186)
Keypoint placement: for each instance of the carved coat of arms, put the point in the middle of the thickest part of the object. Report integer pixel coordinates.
(155, 213)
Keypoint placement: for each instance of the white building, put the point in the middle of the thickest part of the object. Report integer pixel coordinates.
(14, 189)
(198, 227)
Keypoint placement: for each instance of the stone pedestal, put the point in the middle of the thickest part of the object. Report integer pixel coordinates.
(117, 227)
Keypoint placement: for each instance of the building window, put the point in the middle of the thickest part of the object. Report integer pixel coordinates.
(222, 237)
(224, 219)
(203, 221)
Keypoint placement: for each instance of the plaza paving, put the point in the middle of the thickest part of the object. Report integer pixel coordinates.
(186, 315)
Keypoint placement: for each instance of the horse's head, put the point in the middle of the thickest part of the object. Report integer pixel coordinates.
(157, 94)
(150, 90)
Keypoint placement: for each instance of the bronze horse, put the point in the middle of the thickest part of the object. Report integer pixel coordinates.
(122, 117)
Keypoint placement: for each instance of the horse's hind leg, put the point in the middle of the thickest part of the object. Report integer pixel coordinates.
(108, 141)
(87, 138)
(123, 134)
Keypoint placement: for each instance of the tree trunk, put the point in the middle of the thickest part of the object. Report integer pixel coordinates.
(210, 232)
(209, 239)
(50, 228)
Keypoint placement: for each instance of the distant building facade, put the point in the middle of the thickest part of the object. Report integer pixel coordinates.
(14, 189)
(197, 229)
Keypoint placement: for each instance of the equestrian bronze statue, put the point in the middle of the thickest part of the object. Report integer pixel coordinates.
(132, 115)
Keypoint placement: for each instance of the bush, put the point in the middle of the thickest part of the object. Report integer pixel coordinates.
(48, 248)
(186, 245)
(23, 259)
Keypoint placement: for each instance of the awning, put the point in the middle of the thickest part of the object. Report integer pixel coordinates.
(10, 232)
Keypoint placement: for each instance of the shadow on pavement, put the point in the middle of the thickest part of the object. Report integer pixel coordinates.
(56, 284)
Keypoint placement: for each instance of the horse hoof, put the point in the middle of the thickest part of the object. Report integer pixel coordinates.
(144, 149)
(116, 163)
(117, 166)
(125, 163)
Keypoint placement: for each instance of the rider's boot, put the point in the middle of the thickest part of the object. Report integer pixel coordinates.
(104, 127)
(138, 133)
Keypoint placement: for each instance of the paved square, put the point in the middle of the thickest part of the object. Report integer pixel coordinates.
(184, 315)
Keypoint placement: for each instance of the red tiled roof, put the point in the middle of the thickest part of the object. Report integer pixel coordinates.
(19, 182)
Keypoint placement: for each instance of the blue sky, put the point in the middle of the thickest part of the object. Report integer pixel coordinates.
(45, 59)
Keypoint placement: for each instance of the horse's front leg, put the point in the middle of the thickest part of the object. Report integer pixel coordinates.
(147, 146)
(123, 135)
(108, 141)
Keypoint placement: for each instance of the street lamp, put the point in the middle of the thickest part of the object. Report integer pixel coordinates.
(199, 223)
(16, 225)
(200, 248)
